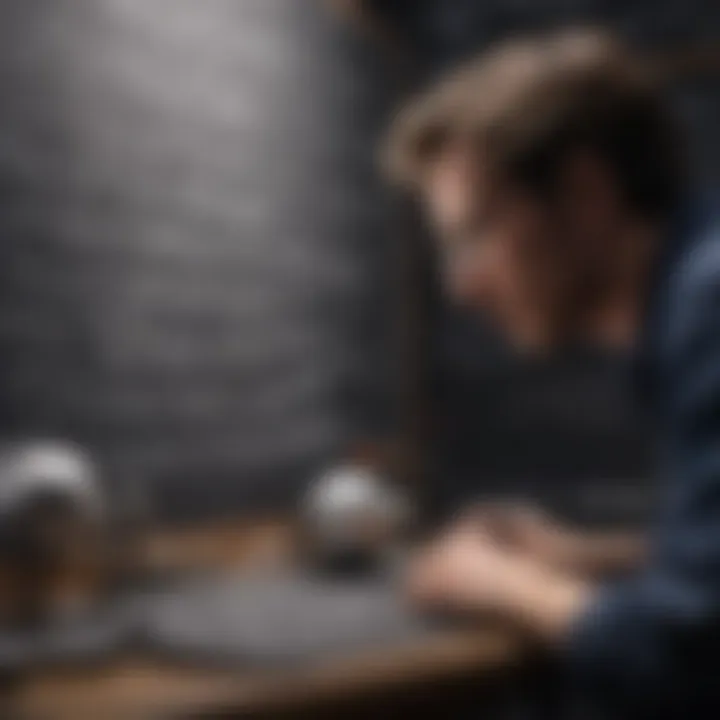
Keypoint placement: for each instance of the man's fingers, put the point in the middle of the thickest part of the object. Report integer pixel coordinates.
(506, 522)
(422, 582)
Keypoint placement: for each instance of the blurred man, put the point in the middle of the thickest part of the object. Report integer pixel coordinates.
(553, 176)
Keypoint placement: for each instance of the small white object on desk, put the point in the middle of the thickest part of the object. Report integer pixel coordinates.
(35, 469)
(353, 510)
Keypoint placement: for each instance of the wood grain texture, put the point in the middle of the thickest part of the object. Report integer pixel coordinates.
(134, 688)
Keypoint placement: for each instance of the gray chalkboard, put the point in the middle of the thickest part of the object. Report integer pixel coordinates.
(191, 265)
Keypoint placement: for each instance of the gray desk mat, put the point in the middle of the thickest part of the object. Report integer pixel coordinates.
(82, 640)
(280, 619)
(259, 620)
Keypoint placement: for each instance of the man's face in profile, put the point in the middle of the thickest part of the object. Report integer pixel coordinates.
(521, 261)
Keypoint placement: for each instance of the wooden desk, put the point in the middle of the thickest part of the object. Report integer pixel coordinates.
(136, 688)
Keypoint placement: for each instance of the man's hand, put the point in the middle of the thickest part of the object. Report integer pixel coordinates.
(523, 529)
(464, 570)
(528, 531)
(468, 573)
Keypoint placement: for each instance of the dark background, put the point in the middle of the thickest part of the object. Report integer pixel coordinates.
(197, 271)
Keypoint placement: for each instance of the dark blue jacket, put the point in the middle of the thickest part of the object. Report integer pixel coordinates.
(650, 646)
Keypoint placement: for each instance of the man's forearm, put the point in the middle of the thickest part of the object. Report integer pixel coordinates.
(547, 603)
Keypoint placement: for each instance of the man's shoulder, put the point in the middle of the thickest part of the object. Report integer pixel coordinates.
(682, 350)
(700, 263)
(694, 283)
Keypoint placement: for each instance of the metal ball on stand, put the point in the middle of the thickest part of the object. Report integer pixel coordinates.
(354, 520)
(59, 547)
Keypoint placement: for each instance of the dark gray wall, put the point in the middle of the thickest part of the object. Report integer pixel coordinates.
(191, 239)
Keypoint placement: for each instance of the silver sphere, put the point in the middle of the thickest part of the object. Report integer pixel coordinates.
(353, 509)
(52, 529)
(35, 470)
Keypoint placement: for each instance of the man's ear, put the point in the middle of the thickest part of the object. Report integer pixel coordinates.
(587, 194)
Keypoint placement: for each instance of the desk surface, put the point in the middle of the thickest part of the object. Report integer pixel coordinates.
(134, 687)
